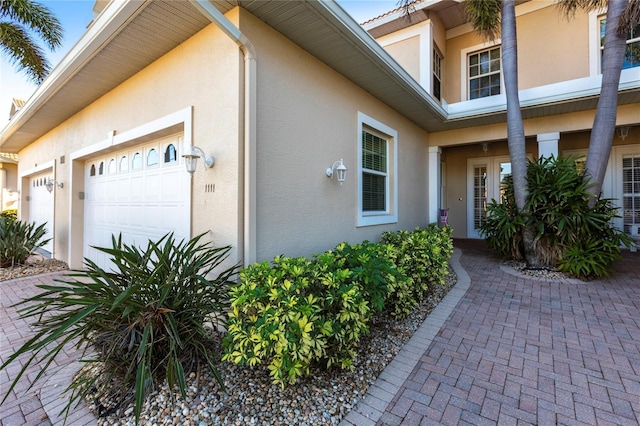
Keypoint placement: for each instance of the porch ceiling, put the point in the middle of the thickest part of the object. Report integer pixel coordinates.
(140, 32)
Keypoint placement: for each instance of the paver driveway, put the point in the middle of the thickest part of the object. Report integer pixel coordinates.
(522, 351)
(500, 349)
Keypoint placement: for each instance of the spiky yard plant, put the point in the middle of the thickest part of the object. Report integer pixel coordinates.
(139, 324)
(19, 240)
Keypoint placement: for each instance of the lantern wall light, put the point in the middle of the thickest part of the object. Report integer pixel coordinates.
(340, 170)
(191, 160)
(51, 183)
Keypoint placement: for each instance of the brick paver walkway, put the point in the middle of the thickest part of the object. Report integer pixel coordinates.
(523, 351)
(42, 404)
(499, 349)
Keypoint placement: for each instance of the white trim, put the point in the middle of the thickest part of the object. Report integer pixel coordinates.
(493, 185)
(614, 172)
(391, 214)
(548, 144)
(37, 169)
(594, 41)
(424, 32)
(113, 140)
(464, 65)
(549, 94)
(435, 184)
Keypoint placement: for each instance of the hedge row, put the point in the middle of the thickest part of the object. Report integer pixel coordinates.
(294, 312)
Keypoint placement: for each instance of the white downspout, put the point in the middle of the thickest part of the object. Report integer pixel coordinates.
(250, 109)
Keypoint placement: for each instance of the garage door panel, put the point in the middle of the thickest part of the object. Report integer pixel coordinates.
(137, 201)
(41, 205)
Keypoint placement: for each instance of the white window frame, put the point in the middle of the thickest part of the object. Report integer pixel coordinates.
(595, 50)
(436, 71)
(615, 165)
(464, 68)
(390, 214)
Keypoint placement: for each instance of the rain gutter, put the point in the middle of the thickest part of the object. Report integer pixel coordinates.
(250, 113)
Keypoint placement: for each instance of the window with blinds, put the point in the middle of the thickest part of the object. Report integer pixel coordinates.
(374, 172)
(630, 191)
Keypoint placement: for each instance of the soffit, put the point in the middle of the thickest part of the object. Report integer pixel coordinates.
(323, 29)
(156, 28)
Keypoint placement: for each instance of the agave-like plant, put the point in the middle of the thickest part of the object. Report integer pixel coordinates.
(139, 324)
(19, 240)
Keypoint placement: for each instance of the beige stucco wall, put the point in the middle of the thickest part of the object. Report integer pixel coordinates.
(201, 73)
(8, 186)
(406, 53)
(307, 119)
(542, 58)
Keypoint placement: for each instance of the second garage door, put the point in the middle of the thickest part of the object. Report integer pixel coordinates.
(141, 193)
(41, 206)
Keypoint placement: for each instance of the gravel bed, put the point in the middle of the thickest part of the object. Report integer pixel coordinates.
(548, 273)
(35, 265)
(325, 397)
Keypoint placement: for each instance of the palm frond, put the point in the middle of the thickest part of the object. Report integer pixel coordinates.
(485, 16)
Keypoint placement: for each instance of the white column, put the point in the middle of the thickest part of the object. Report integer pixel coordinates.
(548, 144)
(434, 183)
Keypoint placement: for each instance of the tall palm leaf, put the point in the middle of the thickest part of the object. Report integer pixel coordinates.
(18, 20)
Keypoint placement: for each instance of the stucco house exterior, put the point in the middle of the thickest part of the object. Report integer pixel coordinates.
(279, 92)
(8, 181)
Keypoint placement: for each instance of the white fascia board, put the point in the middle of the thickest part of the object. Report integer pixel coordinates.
(541, 95)
(374, 50)
(105, 27)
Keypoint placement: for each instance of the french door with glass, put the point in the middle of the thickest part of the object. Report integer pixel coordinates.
(484, 182)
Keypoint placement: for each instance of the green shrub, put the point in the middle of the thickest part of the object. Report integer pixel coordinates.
(372, 269)
(423, 255)
(579, 239)
(295, 312)
(143, 322)
(502, 227)
(19, 240)
(592, 255)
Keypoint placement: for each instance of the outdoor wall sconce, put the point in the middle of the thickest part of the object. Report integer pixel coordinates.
(50, 184)
(341, 170)
(191, 160)
(485, 147)
(622, 132)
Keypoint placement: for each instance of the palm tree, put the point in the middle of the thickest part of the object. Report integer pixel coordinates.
(493, 18)
(18, 20)
(622, 15)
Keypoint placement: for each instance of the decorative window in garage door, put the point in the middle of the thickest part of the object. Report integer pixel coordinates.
(142, 202)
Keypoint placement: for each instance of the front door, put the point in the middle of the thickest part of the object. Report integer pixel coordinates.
(484, 183)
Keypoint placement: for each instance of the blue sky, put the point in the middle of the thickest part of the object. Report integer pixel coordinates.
(75, 15)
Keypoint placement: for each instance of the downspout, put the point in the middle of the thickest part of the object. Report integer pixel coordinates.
(250, 109)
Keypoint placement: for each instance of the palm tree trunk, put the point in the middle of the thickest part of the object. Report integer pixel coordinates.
(515, 127)
(604, 124)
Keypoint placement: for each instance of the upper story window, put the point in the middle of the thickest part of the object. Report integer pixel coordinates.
(632, 54)
(377, 171)
(437, 74)
(484, 73)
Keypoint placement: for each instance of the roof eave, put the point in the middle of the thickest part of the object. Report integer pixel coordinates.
(100, 32)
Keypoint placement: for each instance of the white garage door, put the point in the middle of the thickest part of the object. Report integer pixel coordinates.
(141, 193)
(41, 205)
